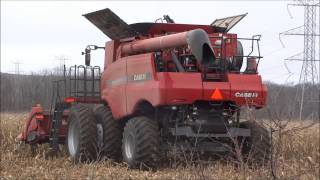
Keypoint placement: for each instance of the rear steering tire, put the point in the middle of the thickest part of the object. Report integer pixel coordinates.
(81, 134)
(141, 143)
(109, 133)
(257, 147)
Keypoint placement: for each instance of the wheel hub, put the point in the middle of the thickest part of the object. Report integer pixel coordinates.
(99, 136)
(73, 138)
(129, 146)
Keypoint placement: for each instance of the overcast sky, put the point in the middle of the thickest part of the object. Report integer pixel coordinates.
(36, 33)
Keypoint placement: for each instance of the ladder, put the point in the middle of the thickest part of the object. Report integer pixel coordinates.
(56, 124)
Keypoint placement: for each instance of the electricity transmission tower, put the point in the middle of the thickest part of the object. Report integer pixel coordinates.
(62, 59)
(17, 67)
(309, 71)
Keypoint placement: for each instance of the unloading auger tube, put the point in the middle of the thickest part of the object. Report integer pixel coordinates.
(197, 40)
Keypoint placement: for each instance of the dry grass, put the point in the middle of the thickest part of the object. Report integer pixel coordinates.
(299, 159)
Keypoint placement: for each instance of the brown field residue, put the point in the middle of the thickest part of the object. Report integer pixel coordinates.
(299, 158)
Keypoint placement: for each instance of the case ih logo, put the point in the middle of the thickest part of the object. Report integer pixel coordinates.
(139, 77)
(246, 94)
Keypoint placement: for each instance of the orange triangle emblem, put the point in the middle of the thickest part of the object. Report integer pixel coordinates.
(216, 95)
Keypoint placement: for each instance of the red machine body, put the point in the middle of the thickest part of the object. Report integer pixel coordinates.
(172, 88)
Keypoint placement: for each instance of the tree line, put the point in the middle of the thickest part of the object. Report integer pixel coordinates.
(21, 92)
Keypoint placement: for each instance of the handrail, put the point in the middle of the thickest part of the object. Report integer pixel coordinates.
(222, 65)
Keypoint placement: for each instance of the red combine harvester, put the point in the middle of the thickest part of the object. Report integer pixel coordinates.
(163, 85)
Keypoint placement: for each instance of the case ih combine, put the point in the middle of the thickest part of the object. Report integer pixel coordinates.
(163, 85)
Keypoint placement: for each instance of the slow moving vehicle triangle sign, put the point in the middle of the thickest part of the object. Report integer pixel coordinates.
(216, 95)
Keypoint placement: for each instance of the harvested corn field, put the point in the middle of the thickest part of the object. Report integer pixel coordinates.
(299, 158)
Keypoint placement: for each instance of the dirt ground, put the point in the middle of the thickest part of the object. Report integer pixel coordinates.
(299, 158)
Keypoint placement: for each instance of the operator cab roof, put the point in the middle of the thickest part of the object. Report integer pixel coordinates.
(115, 28)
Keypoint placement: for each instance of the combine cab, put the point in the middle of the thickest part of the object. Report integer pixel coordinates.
(162, 85)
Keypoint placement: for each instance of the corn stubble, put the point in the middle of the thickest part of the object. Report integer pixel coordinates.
(299, 158)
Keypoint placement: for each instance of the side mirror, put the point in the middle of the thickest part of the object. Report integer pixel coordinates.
(87, 57)
(87, 53)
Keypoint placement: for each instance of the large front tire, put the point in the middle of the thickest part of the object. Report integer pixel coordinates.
(141, 143)
(81, 134)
